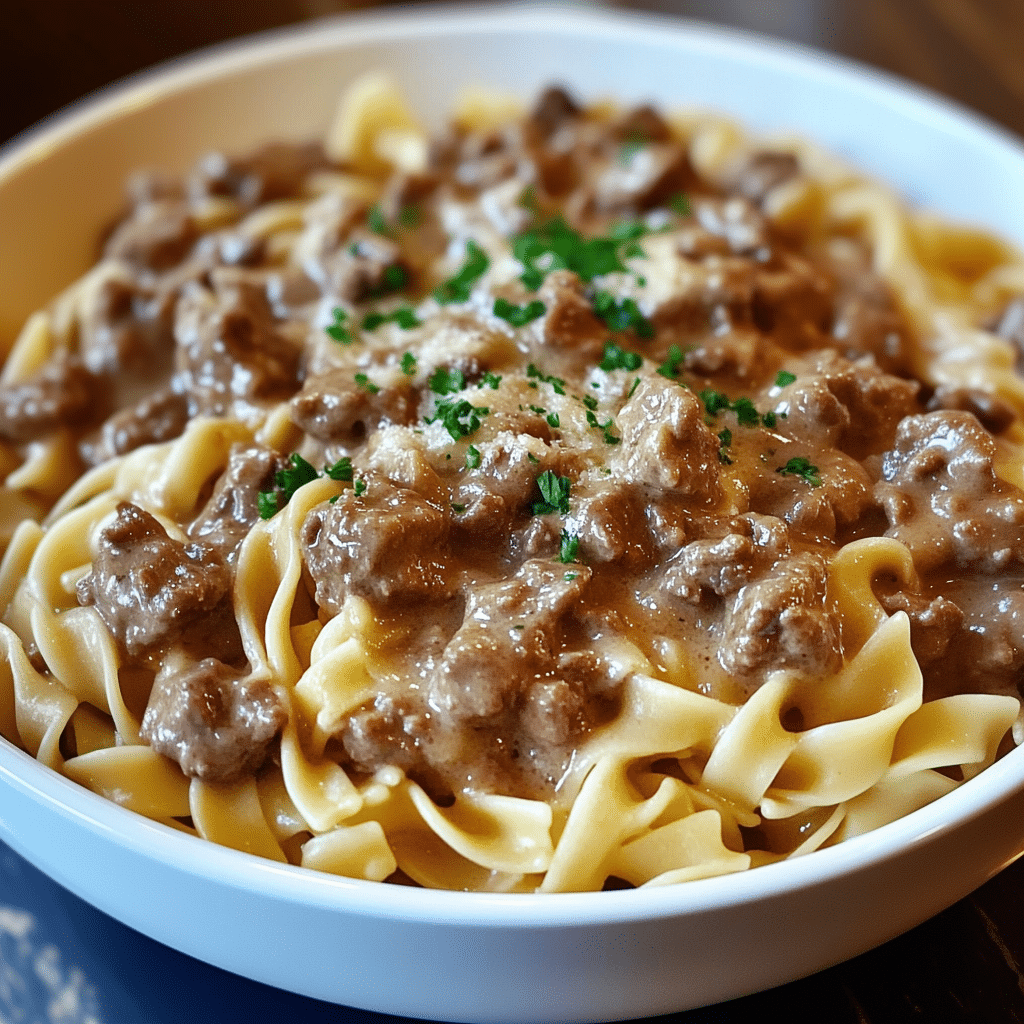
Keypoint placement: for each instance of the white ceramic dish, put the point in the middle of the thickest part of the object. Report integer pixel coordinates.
(468, 956)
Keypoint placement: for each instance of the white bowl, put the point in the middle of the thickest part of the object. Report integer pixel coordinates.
(464, 956)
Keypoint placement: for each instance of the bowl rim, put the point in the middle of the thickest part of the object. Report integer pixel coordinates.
(202, 858)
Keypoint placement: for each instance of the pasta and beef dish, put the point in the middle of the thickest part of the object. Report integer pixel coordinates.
(581, 498)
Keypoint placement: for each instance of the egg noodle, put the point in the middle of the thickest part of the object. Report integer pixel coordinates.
(678, 783)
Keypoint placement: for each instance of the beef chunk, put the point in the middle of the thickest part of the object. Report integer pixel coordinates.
(933, 623)
(148, 587)
(63, 393)
(158, 417)
(666, 443)
(780, 621)
(332, 407)
(1009, 325)
(508, 638)
(386, 545)
(215, 724)
(156, 237)
(276, 171)
(641, 177)
(607, 522)
(722, 565)
(994, 414)
(232, 510)
(366, 265)
(853, 406)
(943, 499)
(570, 322)
(553, 108)
(229, 345)
(741, 225)
(763, 172)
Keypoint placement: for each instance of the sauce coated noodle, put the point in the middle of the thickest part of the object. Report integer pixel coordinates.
(582, 497)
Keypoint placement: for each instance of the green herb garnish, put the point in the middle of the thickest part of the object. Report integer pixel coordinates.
(367, 385)
(802, 468)
(445, 381)
(556, 382)
(339, 330)
(518, 316)
(408, 364)
(359, 487)
(673, 361)
(460, 419)
(568, 547)
(556, 246)
(490, 380)
(616, 358)
(622, 316)
(458, 288)
(784, 378)
(555, 492)
(341, 470)
(472, 457)
(403, 316)
(287, 481)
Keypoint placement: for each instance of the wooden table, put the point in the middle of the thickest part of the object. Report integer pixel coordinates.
(962, 966)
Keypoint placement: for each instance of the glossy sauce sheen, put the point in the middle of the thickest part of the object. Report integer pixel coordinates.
(651, 432)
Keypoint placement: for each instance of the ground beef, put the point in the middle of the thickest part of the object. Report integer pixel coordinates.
(62, 393)
(665, 442)
(215, 723)
(386, 545)
(158, 417)
(230, 346)
(333, 407)
(942, 498)
(148, 587)
(232, 510)
(781, 621)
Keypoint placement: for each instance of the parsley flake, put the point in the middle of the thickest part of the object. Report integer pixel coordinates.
(622, 316)
(472, 457)
(367, 385)
(408, 364)
(725, 439)
(403, 316)
(554, 245)
(445, 381)
(339, 330)
(375, 221)
(568, 547)
(287, 482)
(458, 288)
(518, 316)
(556, 382)
(359, 487)
(673, 363)
(553, 420)
(460, 419)
(555, 492)
(490, 380)
(458, 508)
(605, 428)
(680, 203)
(616, 358)
(801, 467)
(784, 379)
(341, 470)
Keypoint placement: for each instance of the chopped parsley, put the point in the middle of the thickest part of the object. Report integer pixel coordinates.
(408, 364)
(458, 288)
(605, 428)
(445, 381)
(746, 412)
(458, 508)
(680, 203)
(616, 358)
(367, 385)
(553, 420)
(554, 245)
(784, 379)
(473, 457)
(341, 470)
(556, 382)
(724, 440)
(673, 363)
(554, 490)
(801, 467)
(410, 216)
(518, 316)
(460, 419)
(490, 380)
(403, 316)
(568, 547)
(394, 279)
(633, 387)
(622, 316)
(359, 487)
(287, 481)
(375, 221)
(339, 330)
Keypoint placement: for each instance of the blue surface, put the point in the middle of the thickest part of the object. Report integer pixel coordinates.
(64, 962)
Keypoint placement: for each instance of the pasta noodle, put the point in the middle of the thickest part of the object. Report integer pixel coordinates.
(583, 498)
